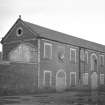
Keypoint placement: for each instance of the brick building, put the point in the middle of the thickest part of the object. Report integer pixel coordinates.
(40, 58)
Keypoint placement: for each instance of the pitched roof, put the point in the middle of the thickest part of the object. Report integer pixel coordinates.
(64, 38)
(58, 36)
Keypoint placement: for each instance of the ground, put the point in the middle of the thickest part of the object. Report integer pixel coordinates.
(62, 98)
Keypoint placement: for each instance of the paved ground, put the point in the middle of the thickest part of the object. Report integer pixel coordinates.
(67, 98)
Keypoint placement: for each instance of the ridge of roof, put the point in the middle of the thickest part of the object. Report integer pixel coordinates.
(64, 38)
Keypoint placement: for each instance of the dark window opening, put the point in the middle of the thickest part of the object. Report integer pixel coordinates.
(19, 31)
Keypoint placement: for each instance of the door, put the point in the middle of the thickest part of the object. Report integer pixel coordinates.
(94, 80)
(94, 69)
(72, 78)
(60, 80)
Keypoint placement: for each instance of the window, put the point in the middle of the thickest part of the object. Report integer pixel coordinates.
(85, 79)
(102, 79)
(86, 57)
(47, 50)
(61, 53)
(72, 78)
(82, 55)
(47, 81)
(73, 55)
(19, 31)
(94, 62)
(101, 60)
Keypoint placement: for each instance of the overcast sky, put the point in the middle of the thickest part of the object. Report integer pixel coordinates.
(81, 18)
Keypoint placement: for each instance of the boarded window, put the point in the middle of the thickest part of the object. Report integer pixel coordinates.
(85, 79)
(47, 50)
(102, 79)
(73, 55)
(101, 60)
(72, 78)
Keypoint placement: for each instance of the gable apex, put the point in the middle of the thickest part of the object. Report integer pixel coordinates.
(42, 32)
(18, 24)
(5, 37)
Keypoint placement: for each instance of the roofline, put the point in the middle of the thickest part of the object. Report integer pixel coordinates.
(71, 44)
(95, 46)
(6, 35)
(19, 19)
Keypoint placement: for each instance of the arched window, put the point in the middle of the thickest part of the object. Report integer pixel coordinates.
(23, 53)
(94, 62)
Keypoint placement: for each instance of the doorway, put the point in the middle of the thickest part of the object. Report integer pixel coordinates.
(94, 69)
(60, 80)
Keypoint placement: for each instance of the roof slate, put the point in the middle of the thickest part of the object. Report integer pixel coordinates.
(64, 38)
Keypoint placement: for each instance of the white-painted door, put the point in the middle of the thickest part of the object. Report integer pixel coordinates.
(60, 81)
(94, 80)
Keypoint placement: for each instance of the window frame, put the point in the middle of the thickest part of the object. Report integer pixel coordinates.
(92, 61)
(73, 73)
(17, 31)
(102, 75)
(82, 57)
(50, 45)
(50, 72)
(74, 50)
(86, 57)
(83, 75)
(103, 61)
(61, 47)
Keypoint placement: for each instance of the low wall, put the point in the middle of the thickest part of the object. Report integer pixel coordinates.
(18, 78)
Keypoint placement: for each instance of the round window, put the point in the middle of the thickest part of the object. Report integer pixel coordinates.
(19, 31)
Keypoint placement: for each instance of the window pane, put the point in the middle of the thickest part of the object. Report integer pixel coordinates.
(47, 79)
(102, 79)
(72, 78)
(47, 50)
(60, 53)
(73, 55)
(101, 57)
(85, 79)
(82, 55)
(86, 57)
